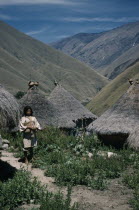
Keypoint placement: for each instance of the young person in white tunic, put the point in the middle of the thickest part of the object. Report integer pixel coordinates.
(28, 126)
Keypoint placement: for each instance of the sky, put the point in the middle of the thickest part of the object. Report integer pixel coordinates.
(53, 20)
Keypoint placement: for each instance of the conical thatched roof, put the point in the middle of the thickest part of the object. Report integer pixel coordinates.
(43, 110)
(70, 109)
(121, 119)
(9, 110)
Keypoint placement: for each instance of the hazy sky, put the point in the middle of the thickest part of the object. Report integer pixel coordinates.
(52, 20)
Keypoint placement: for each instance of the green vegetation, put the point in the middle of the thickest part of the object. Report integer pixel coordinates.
(131, 179)
(57, 203)
(113, 91)
(66, 158)
(18, 190)
(16, 142)
(19, 94)
(23, 190)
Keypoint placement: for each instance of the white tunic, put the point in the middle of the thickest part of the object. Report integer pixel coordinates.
(29, 136)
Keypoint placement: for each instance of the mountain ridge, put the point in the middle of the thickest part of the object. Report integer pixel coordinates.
(23, 58)
(105, 49)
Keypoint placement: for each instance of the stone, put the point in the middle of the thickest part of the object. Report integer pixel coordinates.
(106, 154)
(5, 146)
(32, 201)
(102, 153)
(5, 141)
(90, 155)
(111, 154)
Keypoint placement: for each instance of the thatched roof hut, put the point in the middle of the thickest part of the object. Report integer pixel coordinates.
(115, 125)
(9, 110)
(71, 112)
(43, 109)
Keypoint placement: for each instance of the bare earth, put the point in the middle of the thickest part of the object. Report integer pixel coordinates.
(115, 197)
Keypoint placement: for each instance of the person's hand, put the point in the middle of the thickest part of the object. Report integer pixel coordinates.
(34, 128)
(29, 127)
(27, 130)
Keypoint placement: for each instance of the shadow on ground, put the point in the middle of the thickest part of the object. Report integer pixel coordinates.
(6, 171)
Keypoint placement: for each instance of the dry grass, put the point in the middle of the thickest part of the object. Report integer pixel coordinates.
(61, 109)
(43, 109)
(110, 94)
(120, 120)
(9, 110)
(69, 109)
(133, 138)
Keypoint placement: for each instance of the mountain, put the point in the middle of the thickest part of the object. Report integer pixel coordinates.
(109, 53)
(23, 58)
(72, 45)
(114, 90)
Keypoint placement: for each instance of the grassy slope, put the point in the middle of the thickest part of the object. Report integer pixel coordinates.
(113, 91)
(21, 55)
(122, 63)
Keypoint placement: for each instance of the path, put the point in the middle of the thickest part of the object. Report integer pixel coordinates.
(116, 197)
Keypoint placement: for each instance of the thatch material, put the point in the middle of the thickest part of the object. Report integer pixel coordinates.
(119, 121)
(71, 112)
(9, 110)
(133, 139)
(0, 141)
(43, 110)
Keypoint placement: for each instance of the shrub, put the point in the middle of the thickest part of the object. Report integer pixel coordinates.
(66, 158)
(73, 171)
(16, 141)
(18, 190)
(22, 189)
(58, 203)
(132, 180)
(111, 167)
(135, 201)
(86, 172)
(19, 94)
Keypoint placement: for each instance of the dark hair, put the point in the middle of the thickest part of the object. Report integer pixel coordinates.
(25, 110)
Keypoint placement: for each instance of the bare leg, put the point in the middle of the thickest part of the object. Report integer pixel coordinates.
(25, 156)
(31, 153)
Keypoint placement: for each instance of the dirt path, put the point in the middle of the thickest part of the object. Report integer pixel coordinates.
(116, 197)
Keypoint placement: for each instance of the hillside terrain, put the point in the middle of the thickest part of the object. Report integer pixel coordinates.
(109, 53)
(23, 58)
(114, 90)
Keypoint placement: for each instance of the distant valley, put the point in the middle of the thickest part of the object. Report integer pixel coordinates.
(109, 53)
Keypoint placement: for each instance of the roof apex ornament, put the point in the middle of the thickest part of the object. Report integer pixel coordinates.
(32, 85)
(130, 81)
